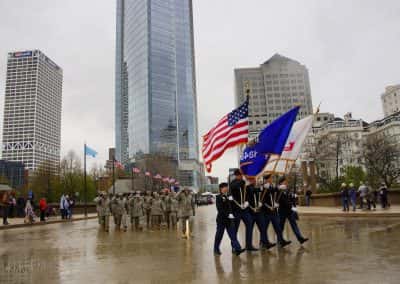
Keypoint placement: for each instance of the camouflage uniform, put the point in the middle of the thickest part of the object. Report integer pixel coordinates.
(136, 210)
(156, 211)
(147, 200)
(173, 208)
(185, 211)
(104, 212)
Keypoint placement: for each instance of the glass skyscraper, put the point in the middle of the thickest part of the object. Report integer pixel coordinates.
(156, 107)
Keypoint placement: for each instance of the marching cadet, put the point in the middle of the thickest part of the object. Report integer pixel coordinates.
(96, 200)
(288, 210)
(136, 210)
(173, 207)
(104, 211)
(147, 200)
(117, 210)
(225, 221)
(255, 196)
(240, 208)
(125, 209)
(113, 205)
(156, 211)
(185, 211)
(167, 207)
(270, 208)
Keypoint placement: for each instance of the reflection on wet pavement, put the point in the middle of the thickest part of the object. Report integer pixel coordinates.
(340, 251)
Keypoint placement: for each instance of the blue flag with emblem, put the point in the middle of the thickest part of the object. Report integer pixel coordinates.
(271, 140)
(90, 152)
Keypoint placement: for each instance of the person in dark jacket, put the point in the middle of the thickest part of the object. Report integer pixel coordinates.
(353, 196)
(344, 192)
(225, 221)
(288, 211)
(383, 192)
(255, 198)
(270, 208)
(240, 208)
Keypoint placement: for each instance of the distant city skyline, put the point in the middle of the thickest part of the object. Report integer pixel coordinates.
(338, 43)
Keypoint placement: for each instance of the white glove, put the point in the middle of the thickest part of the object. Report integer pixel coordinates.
(294, 209)
(295, 195)
(259, 204)
(246, 204)
(276, 205)
(230, 197)
(230, 216)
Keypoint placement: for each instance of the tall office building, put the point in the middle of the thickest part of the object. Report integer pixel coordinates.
(156, 106)
(32, 110)
(391, 100)
(276, 86)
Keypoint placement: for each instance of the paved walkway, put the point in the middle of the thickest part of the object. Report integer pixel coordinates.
(393, 211)
(19, 222)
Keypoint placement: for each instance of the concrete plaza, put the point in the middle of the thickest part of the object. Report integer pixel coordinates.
(340, 250)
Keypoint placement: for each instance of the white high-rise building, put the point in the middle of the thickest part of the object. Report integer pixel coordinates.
(276, 86)
(391, 100)
(32, 110)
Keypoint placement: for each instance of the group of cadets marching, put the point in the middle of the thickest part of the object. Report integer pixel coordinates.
(158, 210)
(255, 204)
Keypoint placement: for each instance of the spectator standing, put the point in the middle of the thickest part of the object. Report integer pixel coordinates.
(353, 196)
(383, 192)
(307, 194)
(344, 192)
(42, 208)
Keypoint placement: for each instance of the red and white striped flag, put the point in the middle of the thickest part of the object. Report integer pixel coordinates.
(231, 130)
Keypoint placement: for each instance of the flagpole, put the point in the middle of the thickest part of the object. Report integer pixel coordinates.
(113, 175)
(84, 178)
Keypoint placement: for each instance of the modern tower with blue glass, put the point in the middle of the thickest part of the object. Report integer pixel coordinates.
(156, 106)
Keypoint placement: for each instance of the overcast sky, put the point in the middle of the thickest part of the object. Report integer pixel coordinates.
(351, 49)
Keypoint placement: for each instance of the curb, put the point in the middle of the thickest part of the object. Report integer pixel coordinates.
(351, 215)
(16, 226)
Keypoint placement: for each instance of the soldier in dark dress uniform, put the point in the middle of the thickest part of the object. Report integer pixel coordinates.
(225, 221)
(254, 197)
(240, 208)
(287, 209)
(270, 208)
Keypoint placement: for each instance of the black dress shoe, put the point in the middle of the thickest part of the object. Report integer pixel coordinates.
(303, 240)
(238, 252)
(285, 243)
(267, 245)
(217, 252)
(251, 249)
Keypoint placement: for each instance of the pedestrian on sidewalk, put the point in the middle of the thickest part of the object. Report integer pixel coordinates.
(20, 207)
(156, 211)
(344, 192)
(29, 213)
(12, 206)
(353, 196)
(383, 192)
(62, 209)
(364, 192)
(42, 208)
(4, 206)
(66, 207)
(307, 194)
(104, 206)
(225, 221)
(136, 210)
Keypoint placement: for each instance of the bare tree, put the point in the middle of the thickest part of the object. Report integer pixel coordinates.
(381, 158)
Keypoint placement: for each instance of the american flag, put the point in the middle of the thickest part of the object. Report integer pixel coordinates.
(158, 176)
(136, 170)
(118, 164)
(148, 174)
(231, 130)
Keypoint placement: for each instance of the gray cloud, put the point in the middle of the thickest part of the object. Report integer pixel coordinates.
(349, 47)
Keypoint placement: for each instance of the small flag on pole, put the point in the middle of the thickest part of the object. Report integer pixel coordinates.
(90, 152)
(136, 170)
(148, 174)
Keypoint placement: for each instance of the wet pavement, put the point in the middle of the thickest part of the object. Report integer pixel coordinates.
(341, 250)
